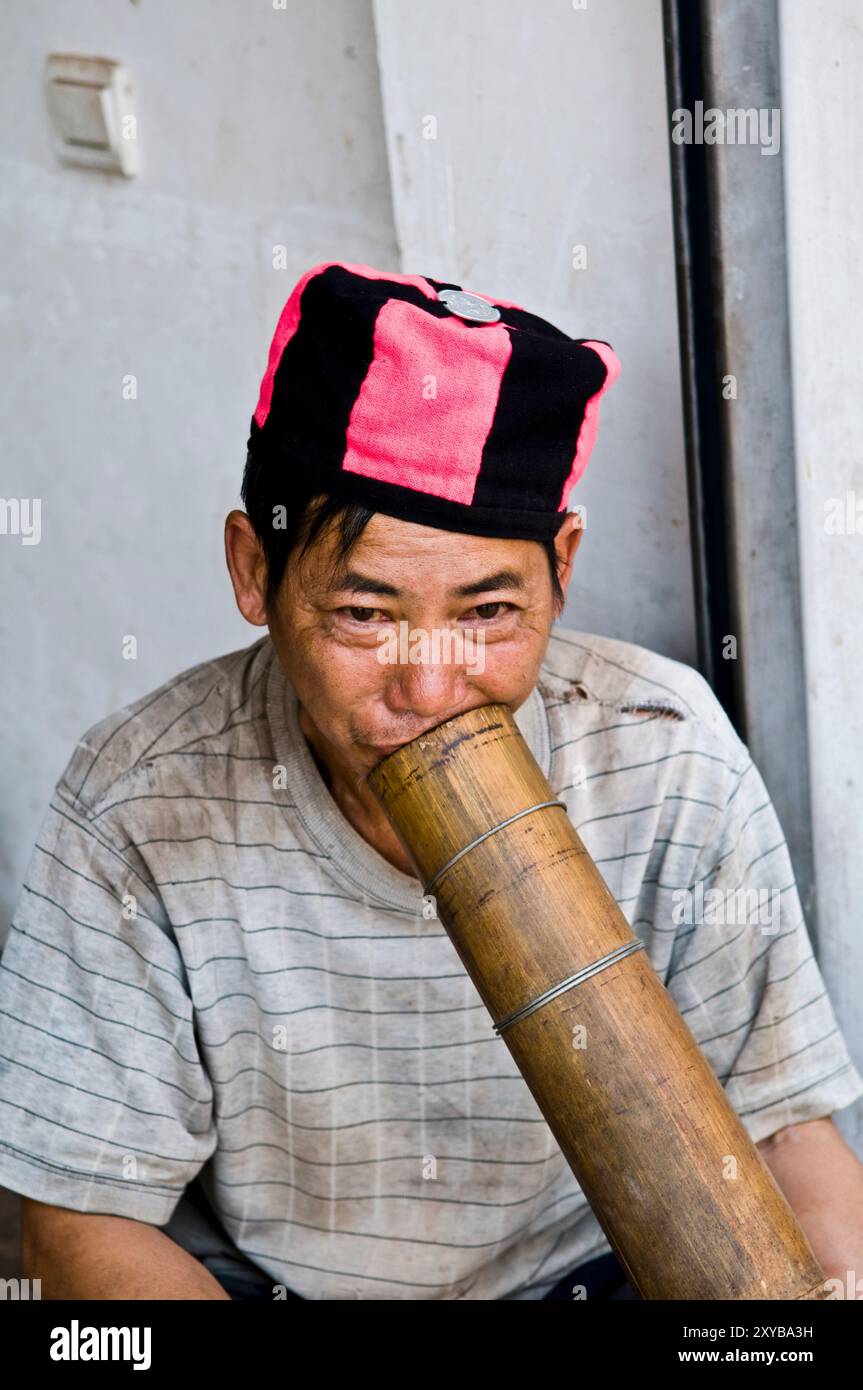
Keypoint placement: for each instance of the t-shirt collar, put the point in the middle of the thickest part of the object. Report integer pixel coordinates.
(354, 861)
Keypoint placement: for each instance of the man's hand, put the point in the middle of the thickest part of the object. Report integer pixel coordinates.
(81, 1254)
(822, 1181)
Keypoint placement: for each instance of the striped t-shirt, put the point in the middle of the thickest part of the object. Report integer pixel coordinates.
(213, 981)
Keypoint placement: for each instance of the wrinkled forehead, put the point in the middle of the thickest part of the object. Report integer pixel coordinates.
(400, 559)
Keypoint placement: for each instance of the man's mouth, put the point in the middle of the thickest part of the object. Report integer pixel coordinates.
(383, 749)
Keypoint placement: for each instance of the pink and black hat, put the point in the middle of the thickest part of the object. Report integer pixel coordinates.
(428, 402)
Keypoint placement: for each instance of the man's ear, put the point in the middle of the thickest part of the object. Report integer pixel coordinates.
(247, 566)
(566, 543)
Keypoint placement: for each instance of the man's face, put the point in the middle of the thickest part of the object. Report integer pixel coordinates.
(328, 629)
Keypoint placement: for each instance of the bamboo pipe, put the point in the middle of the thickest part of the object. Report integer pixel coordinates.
(682, 1193)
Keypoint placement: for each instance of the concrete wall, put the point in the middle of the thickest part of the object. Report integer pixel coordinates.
(259, 128)
(822, 73)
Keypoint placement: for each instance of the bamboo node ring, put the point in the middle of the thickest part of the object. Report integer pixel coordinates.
(485, 835)
(569, 983)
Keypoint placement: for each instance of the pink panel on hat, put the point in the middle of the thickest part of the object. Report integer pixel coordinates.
(398, 436)
(590, 423)
(290, 318)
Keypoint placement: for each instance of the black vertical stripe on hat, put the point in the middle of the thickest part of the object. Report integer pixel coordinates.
(325, 362)
(544, 392)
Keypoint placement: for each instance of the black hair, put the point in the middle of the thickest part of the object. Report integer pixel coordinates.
(303, 511)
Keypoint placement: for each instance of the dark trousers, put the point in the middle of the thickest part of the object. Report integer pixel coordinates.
(601, 1277)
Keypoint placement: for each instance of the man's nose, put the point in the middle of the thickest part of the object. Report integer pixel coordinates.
(428, 690)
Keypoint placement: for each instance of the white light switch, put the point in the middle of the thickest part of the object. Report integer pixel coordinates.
(93, 112)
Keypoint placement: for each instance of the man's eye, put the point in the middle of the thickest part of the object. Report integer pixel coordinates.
(488, 616)
(360, 615)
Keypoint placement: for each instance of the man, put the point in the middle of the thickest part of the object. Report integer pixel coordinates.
(240, 1055)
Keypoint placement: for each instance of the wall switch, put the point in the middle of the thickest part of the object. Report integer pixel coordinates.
(91, 102)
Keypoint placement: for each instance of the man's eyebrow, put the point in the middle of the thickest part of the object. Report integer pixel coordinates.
(501, 579)
(354, 582)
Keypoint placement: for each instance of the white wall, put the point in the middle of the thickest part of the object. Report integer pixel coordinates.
(261, 127)
(258, 128)
(822, 74)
